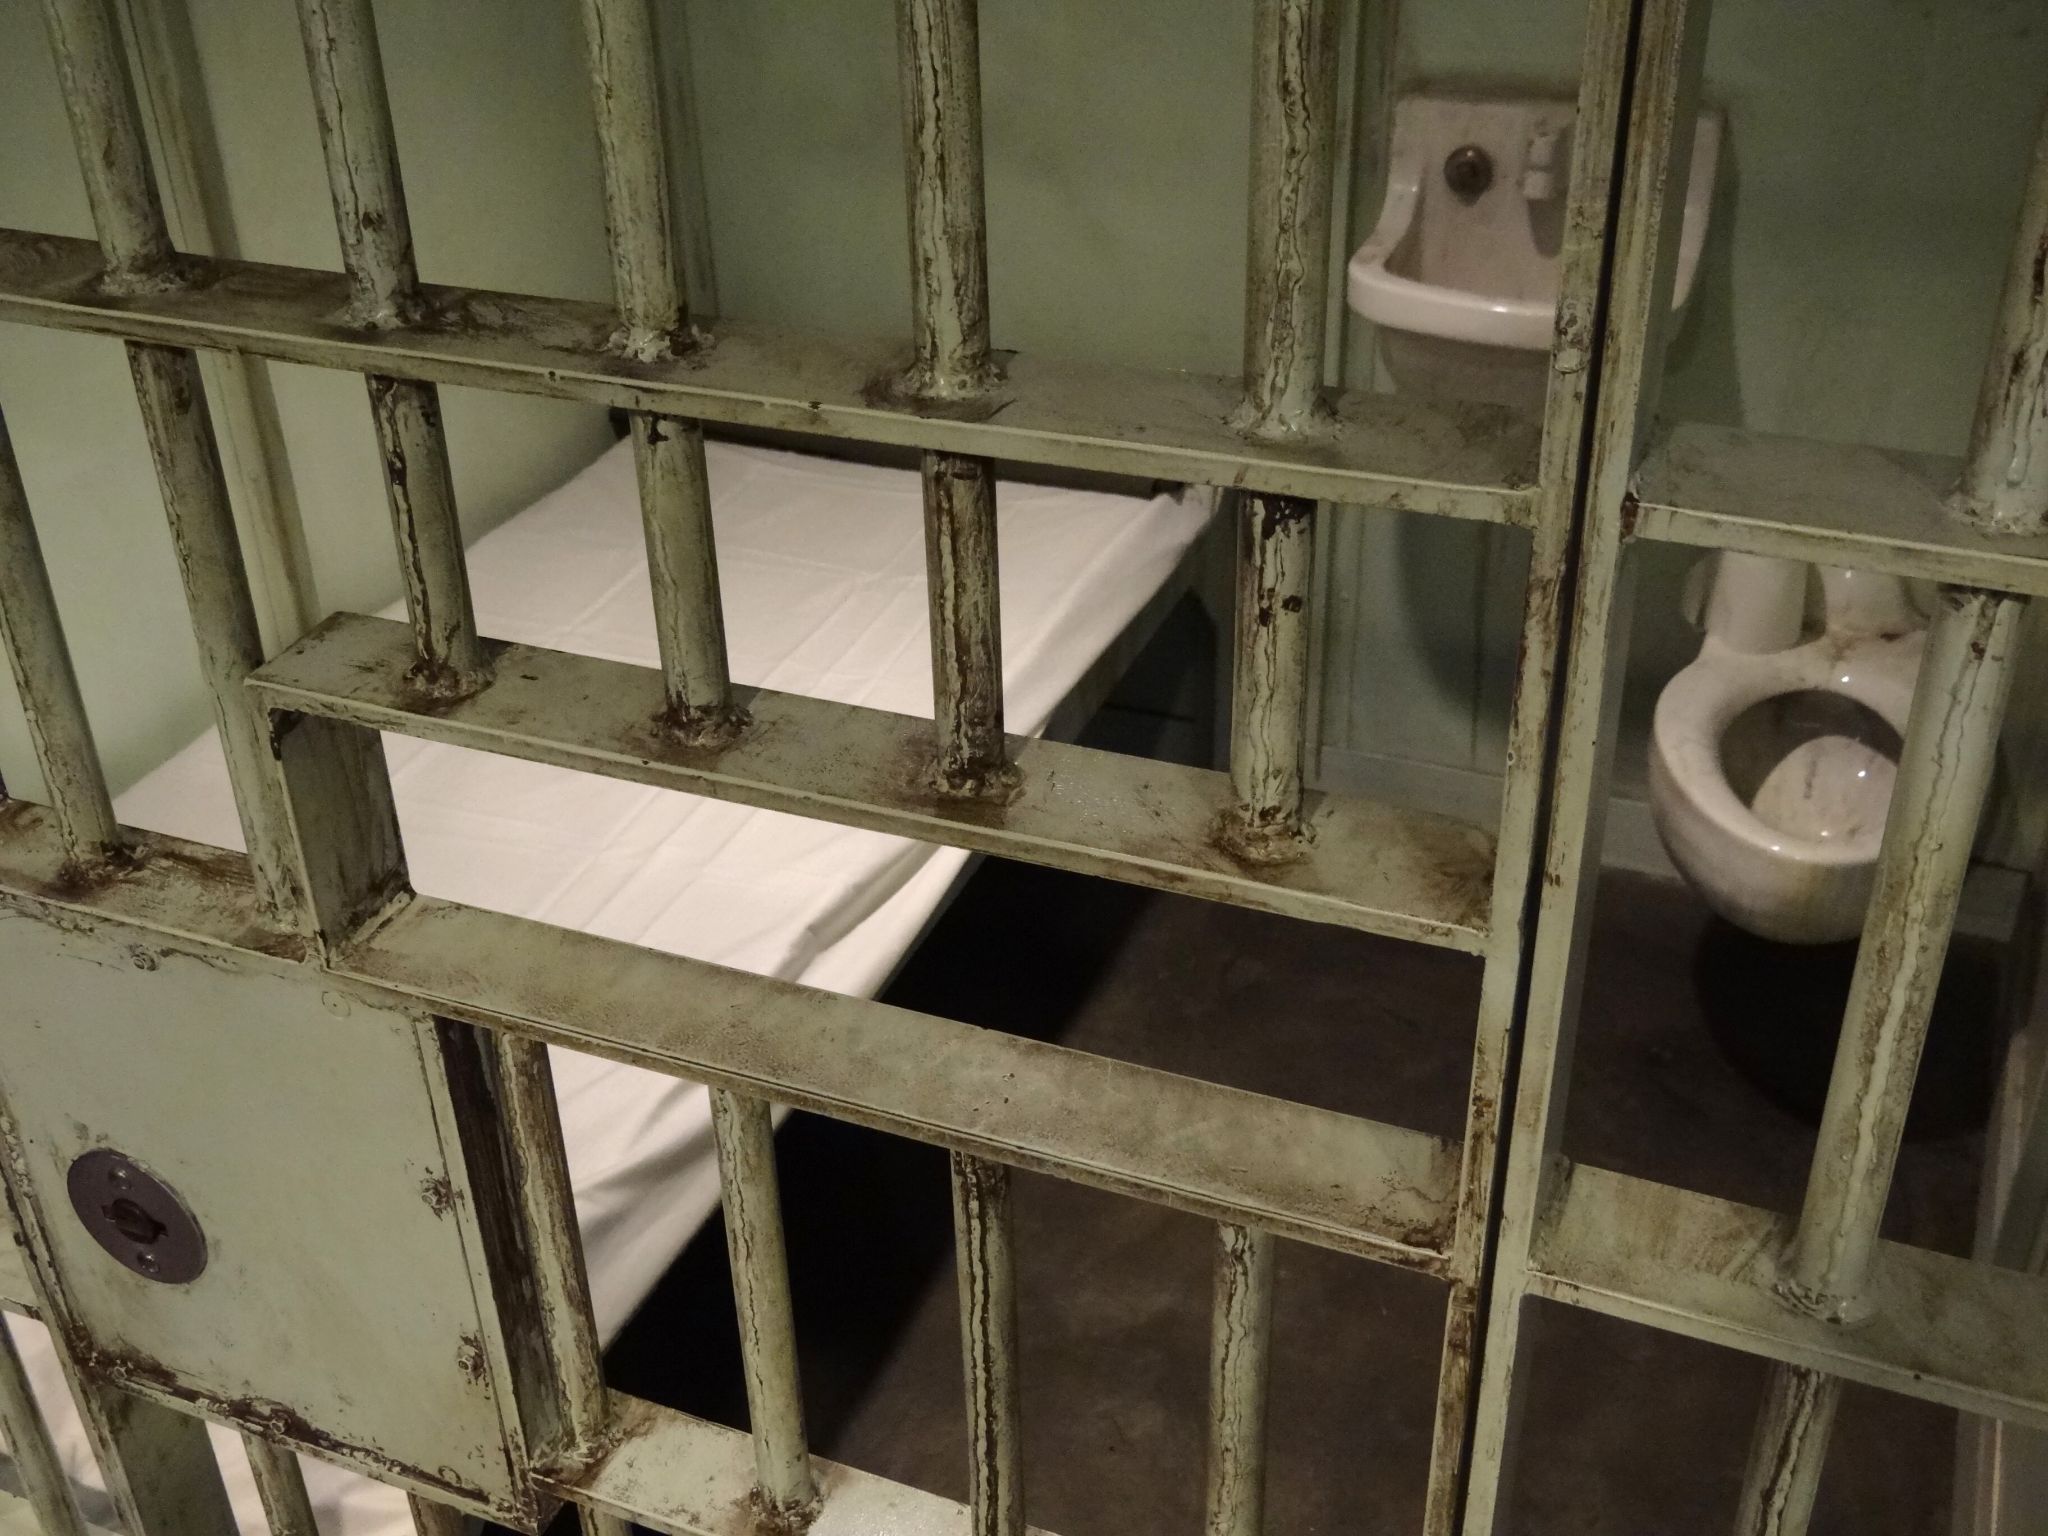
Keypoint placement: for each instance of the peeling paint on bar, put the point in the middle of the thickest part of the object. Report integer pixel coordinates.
(1385, 451)
(1240, 1365)
(966, 627)
(287, 1508)
(361, 150)
(986, 1263)
(51, 705)
(1270, 686)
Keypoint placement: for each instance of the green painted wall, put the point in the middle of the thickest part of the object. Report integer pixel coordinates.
(495, 132)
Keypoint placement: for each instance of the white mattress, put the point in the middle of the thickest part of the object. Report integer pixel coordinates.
(822, 568)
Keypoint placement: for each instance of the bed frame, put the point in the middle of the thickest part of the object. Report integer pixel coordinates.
(379, 1054)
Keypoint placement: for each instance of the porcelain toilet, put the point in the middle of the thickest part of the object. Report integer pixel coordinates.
(1772, 755)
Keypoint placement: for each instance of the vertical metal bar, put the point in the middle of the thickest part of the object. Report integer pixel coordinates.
(939, 53)
(431, 1519)
(1294, 112)
(281, 1485)
(1270, 686)
(654, 322)
(760, 1277)
(376, 248)
(1638, 92)
(112, 153)
(115, 159)
(43, 676)
(1294, 129)
(2005, 477)
(30, 1449)
(1240, 1359)
(1944, 771)
(988, 1340)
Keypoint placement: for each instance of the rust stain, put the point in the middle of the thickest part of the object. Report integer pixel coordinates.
(439, 1193)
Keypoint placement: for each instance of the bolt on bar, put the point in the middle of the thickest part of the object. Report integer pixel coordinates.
(654, 323)
(114, 156)
(745, 1132)
(986, 1260)
(1240, 1364)
(29, 1446)
(1294, 109)
(376, 248)
(1944, 772)
(281, 1485)
(43, 676)
(938, 49)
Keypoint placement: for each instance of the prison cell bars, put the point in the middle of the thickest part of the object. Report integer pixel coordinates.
(361, 150)
(1825, 1272)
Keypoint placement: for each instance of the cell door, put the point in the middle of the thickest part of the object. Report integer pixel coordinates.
(392, 1044)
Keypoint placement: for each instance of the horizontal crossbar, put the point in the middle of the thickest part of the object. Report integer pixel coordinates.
(671, 1472)
(1410, 874)
(1382, 1191)
(1380, 450)
(1966, 1334)
(1869, 509)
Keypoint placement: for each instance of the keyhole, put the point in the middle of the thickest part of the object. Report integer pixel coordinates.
(133, 1222)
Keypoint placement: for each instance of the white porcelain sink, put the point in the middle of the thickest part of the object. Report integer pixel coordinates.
(1475, 263)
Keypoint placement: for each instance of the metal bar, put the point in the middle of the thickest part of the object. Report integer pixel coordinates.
(1393, 452)
(1270, 686)
(1294, 122)
(30, 1449)
(112, 153)
(431, 1519)
(1406, 873)
(1689, 1263)
(2005, 479)
(51, 704)
(281, 1485)
(1944, 770)
(541, 1172)
(760, 1277)
(1639, 82)
(988, 1343)
(1240, 1362)
(376, 248)
(966, 626)
(654, 324)
(938, 49)
(1334, 1180)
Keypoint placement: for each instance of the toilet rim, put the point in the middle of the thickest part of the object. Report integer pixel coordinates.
(1696, 707)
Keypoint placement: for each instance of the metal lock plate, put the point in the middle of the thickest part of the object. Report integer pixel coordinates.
(281, 1148)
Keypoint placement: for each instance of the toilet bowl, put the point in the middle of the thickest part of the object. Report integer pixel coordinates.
(1772, 755)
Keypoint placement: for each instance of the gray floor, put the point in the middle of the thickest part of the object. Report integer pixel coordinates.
(1628, 1431)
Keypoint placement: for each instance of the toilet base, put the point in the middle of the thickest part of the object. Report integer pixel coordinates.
(1775, 1011)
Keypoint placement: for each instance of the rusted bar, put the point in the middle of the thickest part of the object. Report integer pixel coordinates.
(1294, 112)
(1944, 770)
(376, 249)
(2005, 478)
(127, 211)
(1270, 688)
(966, 625)
(281, 1485)
(654, 323)
(44, 679)
(988, 1339)
(30, 1449)
(760, 1278)
(527, 1086)
(1240, 1358)
(938, 48)
(939, 55)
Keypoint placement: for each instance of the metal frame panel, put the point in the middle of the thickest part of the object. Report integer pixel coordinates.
(323, 899)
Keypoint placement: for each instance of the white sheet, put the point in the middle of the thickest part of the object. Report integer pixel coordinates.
(822, 569)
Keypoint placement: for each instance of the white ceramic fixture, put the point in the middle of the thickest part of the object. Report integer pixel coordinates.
(1772, 755)
(1461, 271)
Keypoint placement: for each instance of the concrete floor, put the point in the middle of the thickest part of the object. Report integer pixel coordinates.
(1628, 1431)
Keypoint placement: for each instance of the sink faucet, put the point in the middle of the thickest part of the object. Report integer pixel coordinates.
(1541, 164)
